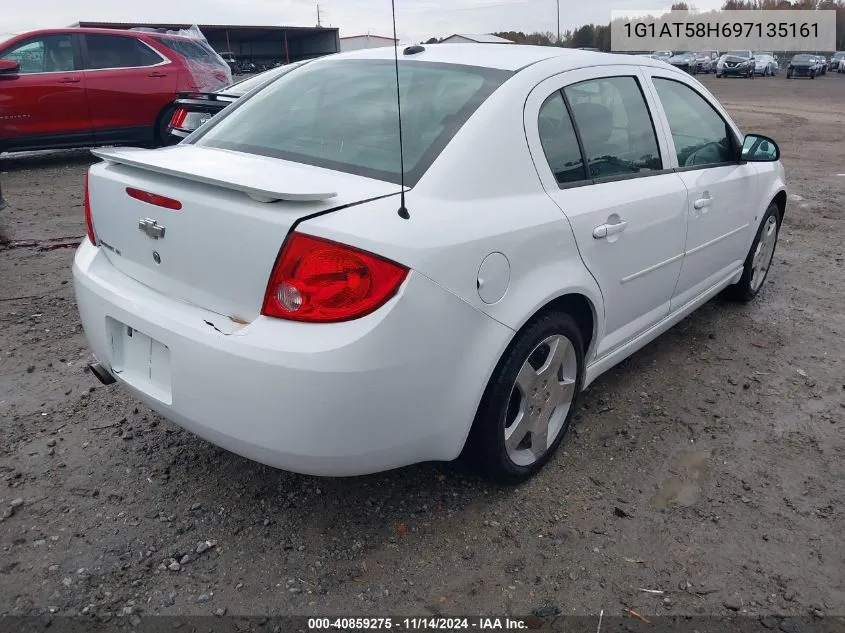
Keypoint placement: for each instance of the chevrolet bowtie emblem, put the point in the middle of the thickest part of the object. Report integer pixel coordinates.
(152, 228)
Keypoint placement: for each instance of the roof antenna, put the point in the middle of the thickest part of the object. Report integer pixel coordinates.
(403, 212)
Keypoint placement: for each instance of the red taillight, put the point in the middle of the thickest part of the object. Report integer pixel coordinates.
(178, 118)
(89, 222)
(154, 198)
(321, 281)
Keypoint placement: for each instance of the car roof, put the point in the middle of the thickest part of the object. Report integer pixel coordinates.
(76, 29)
(510, 57)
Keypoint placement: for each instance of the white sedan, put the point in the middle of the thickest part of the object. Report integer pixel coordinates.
(262, 285)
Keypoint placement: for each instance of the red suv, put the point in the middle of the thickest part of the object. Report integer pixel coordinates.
(75, 87)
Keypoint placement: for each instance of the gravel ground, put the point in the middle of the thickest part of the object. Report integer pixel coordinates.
(709, 466)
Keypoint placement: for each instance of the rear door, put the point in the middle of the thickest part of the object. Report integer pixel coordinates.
(608, 174)
(128, 86)
(44, 102)
(722, 190)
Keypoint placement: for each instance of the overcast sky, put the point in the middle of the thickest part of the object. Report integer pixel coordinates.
(417, 19)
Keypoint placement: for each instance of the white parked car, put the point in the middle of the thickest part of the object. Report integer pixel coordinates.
(765, 64)
(261, 285)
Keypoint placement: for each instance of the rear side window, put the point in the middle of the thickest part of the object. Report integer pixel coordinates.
(700, 135)
(114, 51)
(615, 127)
(45, 54)
(559, 142)
(342, 115)
(190, 50)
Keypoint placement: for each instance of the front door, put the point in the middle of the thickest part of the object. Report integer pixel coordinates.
(722, 190)
(602, 160)
(43, 104)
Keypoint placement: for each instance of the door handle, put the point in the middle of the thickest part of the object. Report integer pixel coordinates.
(69, 80)
(157, 74)
(702, 203)
(603, 230)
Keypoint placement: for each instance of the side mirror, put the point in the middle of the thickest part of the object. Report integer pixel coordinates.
(9, 67)
(759, 149)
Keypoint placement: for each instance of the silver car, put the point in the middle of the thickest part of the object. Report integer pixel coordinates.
(765, 64)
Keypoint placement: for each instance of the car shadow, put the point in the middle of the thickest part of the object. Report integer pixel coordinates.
(22, 161)
(384, 505)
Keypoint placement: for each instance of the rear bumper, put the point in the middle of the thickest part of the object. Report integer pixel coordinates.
(399, 386)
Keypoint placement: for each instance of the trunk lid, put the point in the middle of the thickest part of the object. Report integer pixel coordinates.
(218, 249)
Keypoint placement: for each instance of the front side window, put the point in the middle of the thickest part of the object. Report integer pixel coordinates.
(560, 145)
(46, 54)
(342, 115)
(701, 136)
(114, 51)
(615, 127)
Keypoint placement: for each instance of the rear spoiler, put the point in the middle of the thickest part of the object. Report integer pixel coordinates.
(253, 175)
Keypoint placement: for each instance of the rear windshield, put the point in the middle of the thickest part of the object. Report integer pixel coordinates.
(190, 50)
(342, 115)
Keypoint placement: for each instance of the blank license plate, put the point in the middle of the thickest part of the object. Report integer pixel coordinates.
(141, 361)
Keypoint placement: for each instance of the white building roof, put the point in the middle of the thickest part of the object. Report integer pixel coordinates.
(484, 38)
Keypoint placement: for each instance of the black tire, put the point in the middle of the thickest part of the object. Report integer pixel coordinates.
(485, 447)
(743, 290)
(789, 75)
(162, 133)
(812, 74)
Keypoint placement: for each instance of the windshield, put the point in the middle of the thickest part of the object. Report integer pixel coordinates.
(342, 115)
(839, 55)
(739, 53)
(240, 88)
(802, 58)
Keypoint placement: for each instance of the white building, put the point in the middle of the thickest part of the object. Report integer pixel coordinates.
(463, 38)
(358, 42)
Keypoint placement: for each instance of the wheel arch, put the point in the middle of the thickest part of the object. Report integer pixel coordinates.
(780, 200)
(577, 303)
(581, 309)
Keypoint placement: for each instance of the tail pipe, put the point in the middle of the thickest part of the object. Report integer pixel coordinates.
(102, 374)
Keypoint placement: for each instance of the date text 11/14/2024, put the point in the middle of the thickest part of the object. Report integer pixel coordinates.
(418, 624)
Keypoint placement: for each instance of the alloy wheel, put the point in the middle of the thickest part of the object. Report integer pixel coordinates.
(540, 400)
(763, 254)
